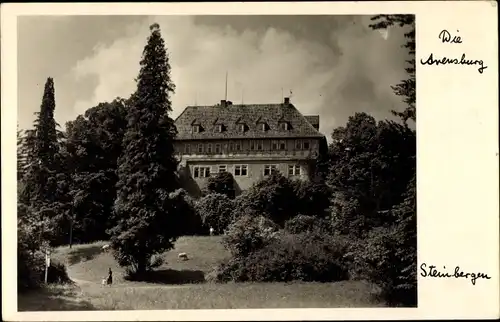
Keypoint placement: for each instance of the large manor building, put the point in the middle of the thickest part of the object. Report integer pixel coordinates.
(250, 141)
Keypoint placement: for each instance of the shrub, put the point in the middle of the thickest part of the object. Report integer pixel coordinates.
(301, 223)
(312, 198)
(272, 197)
(57, 273)
(190, 222)
(216, 211)
(30, 260)
(223, 183)
(388, 256)
(248, 234)
(304, 257)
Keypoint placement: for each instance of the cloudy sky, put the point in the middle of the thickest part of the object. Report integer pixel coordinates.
(334, 65)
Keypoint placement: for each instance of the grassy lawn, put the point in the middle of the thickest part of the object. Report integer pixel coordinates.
(181, 285)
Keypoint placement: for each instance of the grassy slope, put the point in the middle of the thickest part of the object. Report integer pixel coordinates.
(87, 265)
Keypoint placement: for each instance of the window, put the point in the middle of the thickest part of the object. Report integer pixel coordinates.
(294, 170)
(217, 148)
(222, 168)
(196, 128)
(260, 145)
(256, 145)
(274, 145)
(298, 145)
(237, 146)
(187, 149)
(209, 148)
(200, 148)
(218, 128)
(241, 127)
(284, 126)
(240, 170)
(201, 172)
(282, 145)
(231, 146)
(306, 145)
(268, 169)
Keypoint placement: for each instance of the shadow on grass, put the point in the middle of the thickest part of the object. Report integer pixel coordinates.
(171, 276)
(83, 254)
(52, 299)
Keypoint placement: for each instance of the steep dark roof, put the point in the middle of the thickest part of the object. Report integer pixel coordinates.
(250, 115)
(313, 119)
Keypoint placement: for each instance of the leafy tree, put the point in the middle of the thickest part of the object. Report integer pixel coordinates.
(93, 147)
(222, 182)
(147, 222)
(407, 86)
(216, 211)
(388, 256)
(371, 167)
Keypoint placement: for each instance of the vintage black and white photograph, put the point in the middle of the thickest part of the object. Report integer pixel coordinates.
(216, 162)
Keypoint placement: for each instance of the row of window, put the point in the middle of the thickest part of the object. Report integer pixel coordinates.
(284, 126)
(241, 170)
(255, 145)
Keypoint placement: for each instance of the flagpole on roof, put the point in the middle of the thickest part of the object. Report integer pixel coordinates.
(225, 96)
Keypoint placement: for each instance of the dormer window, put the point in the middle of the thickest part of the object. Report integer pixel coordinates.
(241, 127)
(284, 126)
(218, 128)
(263, 127)
(196, 128)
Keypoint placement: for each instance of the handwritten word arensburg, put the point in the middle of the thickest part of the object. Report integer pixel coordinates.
(446, 37)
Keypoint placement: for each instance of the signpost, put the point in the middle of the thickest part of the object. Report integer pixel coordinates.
(47, 264)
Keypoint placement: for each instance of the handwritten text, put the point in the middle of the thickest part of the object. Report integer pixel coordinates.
(431, 271)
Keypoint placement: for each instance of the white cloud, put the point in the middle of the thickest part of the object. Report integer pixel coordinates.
(259, 64)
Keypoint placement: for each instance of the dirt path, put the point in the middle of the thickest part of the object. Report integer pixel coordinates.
(83, 283)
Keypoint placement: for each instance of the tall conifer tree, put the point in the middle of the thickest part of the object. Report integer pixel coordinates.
(147, 219)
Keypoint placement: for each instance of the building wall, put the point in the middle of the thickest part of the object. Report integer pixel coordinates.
(254, 160)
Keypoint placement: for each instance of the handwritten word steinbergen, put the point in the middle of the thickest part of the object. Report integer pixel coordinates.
(447, 38)
(431, 271)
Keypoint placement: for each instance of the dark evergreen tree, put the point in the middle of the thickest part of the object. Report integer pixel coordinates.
(407, 87)
(146, 211)
(42, 188)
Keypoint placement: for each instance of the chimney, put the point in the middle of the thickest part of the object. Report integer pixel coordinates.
(287, 101)
(229, 103)
(223, 103)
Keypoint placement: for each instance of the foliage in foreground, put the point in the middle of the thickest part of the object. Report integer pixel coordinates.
(388, 256)
(290, 257)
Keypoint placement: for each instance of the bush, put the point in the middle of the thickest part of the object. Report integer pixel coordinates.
(303, 257)
(388, 256)
(301, 224)
(272, 197)
(223, 183)
(30, 260)
(57, 273)
(312, 198)
(216, 211)
(248, 234)
(190, 222)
